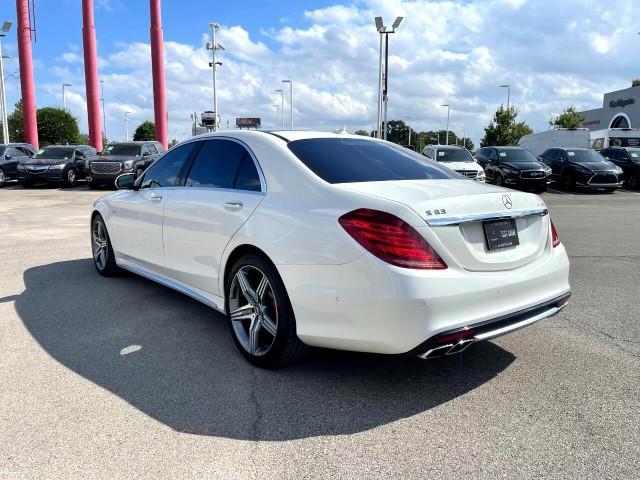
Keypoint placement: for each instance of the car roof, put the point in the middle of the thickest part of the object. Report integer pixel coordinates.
(133, 142)
(450, 147)
(510, 147)
(286, 135)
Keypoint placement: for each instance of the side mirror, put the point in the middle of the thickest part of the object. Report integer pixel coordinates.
(8, 156)
(125, 181)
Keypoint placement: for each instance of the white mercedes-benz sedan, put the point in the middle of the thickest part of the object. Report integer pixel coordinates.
(330, 240)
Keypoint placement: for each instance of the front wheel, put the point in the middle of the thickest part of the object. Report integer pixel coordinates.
(633, 182)
(103, 258)
(72, 178)
(497, 179)
(568, 182)
(139, 172)
(3, 178)
(262, 322)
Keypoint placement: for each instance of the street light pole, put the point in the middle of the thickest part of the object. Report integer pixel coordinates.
(290, 82)
(104, 113)
(214, 64)
(448, 111)
(5, 127)
(64, 95)
(383, 72)
(508, 87)
(126, 125)
(281, 104)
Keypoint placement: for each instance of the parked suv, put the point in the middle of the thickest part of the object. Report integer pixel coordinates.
(513, 167)
(582, 167)
(628, 159)
(56, 164)
(11, 154)
(123, 157)
(455, 158)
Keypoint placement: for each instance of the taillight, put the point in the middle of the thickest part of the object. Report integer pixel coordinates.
(555, 239)
(391, 239)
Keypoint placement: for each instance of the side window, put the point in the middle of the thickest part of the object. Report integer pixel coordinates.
(152, 148)
(428, 152)
(145, 150)
(168, 169)
(491, 154)
(223, 164)
(13, 151)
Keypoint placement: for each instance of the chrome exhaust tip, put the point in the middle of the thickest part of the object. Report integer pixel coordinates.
(448, 349)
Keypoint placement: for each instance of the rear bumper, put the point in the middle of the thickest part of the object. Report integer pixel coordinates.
(367, 305)
(454, 341)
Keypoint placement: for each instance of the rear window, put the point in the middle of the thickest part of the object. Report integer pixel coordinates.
(350, 160)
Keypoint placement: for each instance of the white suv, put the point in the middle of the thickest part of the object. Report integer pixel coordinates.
(456, 158)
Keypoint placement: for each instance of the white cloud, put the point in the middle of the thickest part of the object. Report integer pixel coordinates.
(443, 52)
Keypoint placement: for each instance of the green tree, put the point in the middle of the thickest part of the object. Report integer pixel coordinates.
(504, 130)
(16, 126)
(570, 118)
(57, 126)
(364, 133)
(145, 131)
(398, 132)
(635, 83)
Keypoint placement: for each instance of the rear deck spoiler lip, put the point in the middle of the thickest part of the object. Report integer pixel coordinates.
(480, 217)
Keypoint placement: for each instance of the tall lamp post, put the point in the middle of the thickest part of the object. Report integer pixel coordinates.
(104, 112)
(448, 112)
(281, 92)
(290, 101)
(126, 125)
(64, 95)
(508, 87)
(5, 127)
(383, 72)
(214, 47)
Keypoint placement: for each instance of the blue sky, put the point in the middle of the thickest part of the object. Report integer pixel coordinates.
(444, 52)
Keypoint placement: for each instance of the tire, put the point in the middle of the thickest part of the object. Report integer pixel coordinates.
(633, 182)
(72, 178)
(498, 180)
(102, 252)
(3, 178)
(259, 313)
(139, 172)
(568, 182)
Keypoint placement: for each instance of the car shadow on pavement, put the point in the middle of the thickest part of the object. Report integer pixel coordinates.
(173, 359)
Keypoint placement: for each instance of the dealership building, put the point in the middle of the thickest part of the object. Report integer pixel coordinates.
(620, 109)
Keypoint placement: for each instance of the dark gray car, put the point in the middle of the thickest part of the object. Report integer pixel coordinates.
(11, 155)
(122, 157)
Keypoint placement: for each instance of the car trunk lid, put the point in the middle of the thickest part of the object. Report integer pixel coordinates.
(456, 210)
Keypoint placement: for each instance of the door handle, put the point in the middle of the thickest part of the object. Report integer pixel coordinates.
(233, 205)
(155, 198)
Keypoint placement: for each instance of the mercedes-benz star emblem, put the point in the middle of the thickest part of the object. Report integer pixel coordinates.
(507, 201)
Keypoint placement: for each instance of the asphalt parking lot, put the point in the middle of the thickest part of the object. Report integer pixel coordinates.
(123, 378)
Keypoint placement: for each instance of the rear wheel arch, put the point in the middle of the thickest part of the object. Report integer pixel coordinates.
(237, 253)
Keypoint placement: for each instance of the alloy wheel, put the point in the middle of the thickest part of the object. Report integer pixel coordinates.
(632, 183)
(3, 178)
(253, 310)
(71, 178)
(99, 244)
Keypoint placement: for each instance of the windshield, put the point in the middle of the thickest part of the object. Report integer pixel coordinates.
(634, 155)
(128, 149)
(55, 152)
(453, 155)
(516, 155)
(584, 156)
(349, 160)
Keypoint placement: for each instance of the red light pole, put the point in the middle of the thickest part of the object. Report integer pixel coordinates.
(157, 68)
(26, 74)
(91, 75)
